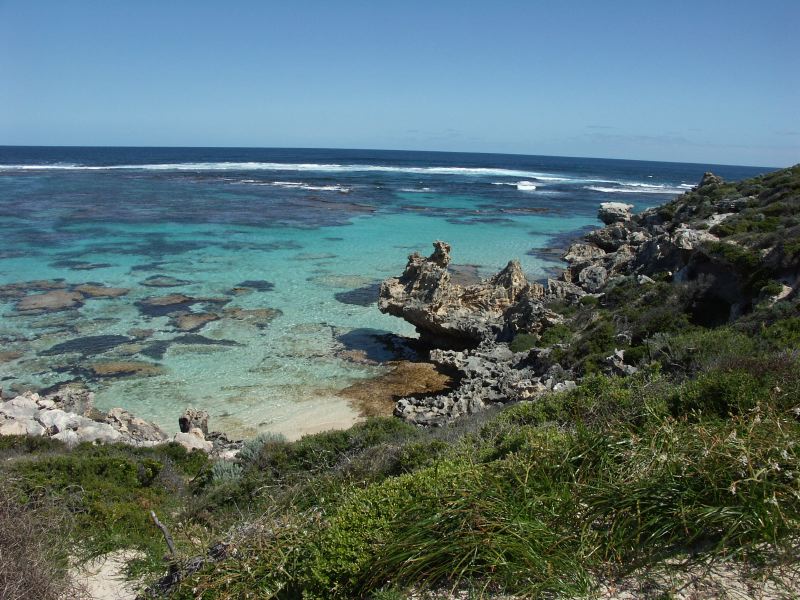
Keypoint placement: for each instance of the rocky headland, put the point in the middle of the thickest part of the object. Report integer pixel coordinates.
(492, 335)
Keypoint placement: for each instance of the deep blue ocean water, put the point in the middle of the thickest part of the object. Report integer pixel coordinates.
(305, 232)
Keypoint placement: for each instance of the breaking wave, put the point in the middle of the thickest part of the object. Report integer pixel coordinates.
(298, 185)
(273, 166)
(636, 188)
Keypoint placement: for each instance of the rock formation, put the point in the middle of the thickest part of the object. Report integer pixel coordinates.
(68, 415)
(474, 322)
(450, 315)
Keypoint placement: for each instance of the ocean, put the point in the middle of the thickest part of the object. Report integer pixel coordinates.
(244, 281)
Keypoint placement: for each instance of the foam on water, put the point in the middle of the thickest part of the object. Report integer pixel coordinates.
(300, 167)
(637, 188)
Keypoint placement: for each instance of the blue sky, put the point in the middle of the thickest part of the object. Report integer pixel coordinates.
(700, 81)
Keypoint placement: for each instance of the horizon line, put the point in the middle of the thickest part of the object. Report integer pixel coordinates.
(388, 150)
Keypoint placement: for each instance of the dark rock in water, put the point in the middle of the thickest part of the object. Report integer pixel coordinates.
(21, 288)
(9, 355)
(98, 290)
(259, 285)
(261, 246)
(88, 346)
(164, 281)
(201, 340)
(364, 296)
(313, 256)
(77, 265)
(161, 306)
(375, 346)
(155, 350)
(151, 266)
(141, 334)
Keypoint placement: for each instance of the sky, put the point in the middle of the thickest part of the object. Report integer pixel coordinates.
(700, 81)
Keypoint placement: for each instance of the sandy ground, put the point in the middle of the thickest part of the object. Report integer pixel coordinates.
(320, 414)
(104, 577)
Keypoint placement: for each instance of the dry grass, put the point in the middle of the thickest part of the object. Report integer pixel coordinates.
(34, 550)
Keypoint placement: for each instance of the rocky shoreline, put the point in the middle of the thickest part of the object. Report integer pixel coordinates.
(69, 416)
(472, 328)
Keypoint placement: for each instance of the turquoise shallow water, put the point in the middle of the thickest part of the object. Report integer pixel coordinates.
(310, 242)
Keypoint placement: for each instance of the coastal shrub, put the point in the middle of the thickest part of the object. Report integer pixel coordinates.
(744, 260)
(318, 452)
(666, 318)
(508, 524)
(224, 471)
(727, 486)
(556, 334)
(773, 288)
(523, 342)
(784, 333)
(791, 247)
(109, 489)
(592, 346)
(601, 401)
(251, 448)
(688, 353)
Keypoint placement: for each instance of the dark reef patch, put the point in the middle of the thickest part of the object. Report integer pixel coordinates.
(156, 350)
(201, 340)
(259, 285)
(88, 346)
(366, 295)
(376, 345)
(261, 246)
(162, 306)
(78, 265)
(164, 281)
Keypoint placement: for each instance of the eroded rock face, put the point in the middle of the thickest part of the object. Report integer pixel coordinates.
(614, 212)
(449, 314)
(193, 418)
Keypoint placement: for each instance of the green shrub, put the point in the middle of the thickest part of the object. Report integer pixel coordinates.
(523, 342)
(556, 334)
(744, 260)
